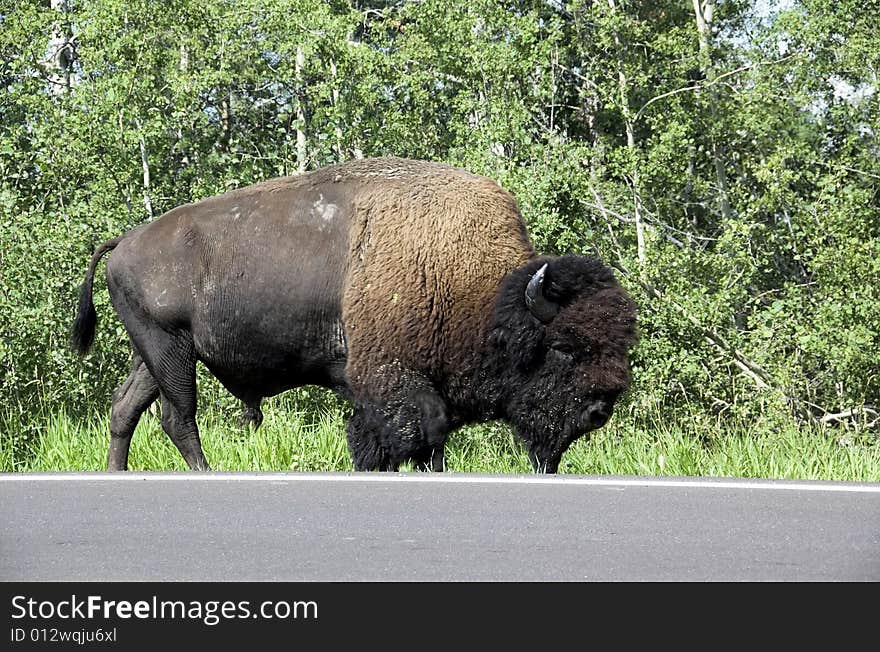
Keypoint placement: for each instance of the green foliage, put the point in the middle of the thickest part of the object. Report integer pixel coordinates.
(746, 155)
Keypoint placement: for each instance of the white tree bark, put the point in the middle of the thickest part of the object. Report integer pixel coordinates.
(145, 166)
(337, 129)
(225, 110)
(705, 12)
(59, 56)
(301, 147)
(629, 125)
(183, 67)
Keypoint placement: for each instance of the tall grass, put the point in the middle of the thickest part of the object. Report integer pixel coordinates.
(314, 440)
(285, 441)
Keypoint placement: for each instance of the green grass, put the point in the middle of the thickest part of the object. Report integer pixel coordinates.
(285, 441)
(303, 440)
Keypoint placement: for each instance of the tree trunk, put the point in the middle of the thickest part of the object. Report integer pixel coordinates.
(337, 129)
(225, 110)
(183, 67)
(623, 88)
(705, 13)
(59, 58)
(145, 166)
(301, 149)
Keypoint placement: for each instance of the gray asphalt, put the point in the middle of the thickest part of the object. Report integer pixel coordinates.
(418, 527)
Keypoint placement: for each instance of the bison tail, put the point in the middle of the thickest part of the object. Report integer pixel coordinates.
(83, 332)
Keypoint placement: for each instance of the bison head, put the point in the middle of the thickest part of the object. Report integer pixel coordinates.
(561, 334)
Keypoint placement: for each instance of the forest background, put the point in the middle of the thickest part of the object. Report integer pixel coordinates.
(722, 155)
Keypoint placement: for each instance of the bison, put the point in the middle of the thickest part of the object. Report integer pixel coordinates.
(409, 287)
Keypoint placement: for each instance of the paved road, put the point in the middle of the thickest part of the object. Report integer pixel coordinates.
(415, 527)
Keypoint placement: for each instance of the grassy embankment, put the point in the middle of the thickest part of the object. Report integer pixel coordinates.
(315, 441)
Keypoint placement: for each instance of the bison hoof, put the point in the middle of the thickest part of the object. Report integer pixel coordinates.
(252, 416)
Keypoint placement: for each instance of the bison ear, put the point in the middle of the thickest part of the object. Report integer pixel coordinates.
(536, 300)
(499, 337)
(524, 346)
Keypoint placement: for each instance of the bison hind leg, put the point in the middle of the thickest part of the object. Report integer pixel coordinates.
(251, 415)
(172, 362)
(129, 402)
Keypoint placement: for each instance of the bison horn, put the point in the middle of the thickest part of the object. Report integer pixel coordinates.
(537, 303)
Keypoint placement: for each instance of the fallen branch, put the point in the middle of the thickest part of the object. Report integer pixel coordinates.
(860, 412)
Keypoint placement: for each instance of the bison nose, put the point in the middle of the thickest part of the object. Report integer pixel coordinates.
(595, 415)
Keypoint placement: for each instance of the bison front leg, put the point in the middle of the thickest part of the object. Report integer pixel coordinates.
(364, 434)
(431, 459)
(409, 422)
(544, 463)
(435, 428)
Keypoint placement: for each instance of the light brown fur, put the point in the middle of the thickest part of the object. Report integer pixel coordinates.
(423, 281)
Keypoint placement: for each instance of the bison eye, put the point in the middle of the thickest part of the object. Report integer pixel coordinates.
(562, 350)
(568, 351)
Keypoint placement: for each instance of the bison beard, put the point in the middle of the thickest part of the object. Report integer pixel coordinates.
(411, 288)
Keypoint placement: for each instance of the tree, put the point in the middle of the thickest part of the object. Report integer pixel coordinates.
(724, 162)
